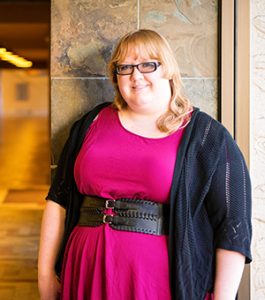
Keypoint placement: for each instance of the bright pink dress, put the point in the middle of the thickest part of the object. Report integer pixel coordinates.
(101, 263)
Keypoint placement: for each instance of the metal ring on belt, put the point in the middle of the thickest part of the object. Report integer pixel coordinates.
(135, 215)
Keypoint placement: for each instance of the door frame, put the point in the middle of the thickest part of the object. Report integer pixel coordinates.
(235, 86)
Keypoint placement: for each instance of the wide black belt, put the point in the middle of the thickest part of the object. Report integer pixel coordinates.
(135, 215)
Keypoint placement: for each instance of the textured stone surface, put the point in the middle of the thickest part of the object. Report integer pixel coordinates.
(83, 32)
(191, 28)
(202, 93)
(257, 158)
(70, 100)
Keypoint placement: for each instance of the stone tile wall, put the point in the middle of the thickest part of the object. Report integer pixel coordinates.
(257, 147)
(83, 33)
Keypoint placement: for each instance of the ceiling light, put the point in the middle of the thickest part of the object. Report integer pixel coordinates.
(14, 59)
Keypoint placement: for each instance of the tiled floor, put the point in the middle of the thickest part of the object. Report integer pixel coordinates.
(24, 179)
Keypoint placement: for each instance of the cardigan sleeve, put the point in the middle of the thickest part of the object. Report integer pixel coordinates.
(59, 187)
(64, 177)
(229, 201)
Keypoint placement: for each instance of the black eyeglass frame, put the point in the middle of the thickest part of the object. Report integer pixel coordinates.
(155, 63)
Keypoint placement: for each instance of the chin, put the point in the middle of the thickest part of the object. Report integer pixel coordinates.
(143, 103)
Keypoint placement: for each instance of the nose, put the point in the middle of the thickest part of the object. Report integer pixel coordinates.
(136, 73)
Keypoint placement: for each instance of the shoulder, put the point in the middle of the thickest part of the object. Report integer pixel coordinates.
(84, 122)
(91, 114)
(206, 129)
(205, 121)
(209, 137)
(79, 127)
(216, 130)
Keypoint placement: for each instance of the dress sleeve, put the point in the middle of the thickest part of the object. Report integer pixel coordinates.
(229, 201)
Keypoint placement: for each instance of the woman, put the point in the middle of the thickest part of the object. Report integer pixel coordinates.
(151, 198)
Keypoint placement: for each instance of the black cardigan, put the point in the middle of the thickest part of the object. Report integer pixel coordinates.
(210, 201)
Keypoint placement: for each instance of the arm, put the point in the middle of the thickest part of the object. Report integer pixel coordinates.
(52, 229)
(229, 210)
(229, 269)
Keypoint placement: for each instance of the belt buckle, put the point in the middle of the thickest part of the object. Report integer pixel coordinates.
(107, 219)
(109, 204)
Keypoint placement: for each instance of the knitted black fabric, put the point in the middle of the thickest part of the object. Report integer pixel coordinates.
(211, 209)
(210, 201)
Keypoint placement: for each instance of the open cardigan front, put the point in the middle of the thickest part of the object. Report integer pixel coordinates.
(210, 201)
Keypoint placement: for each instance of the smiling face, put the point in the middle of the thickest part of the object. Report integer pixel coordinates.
(137, 47)
(144, 92)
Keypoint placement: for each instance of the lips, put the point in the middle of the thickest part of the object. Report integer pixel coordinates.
(139, 87)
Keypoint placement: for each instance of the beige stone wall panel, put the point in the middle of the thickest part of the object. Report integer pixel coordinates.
(83, 33)
(202, 92)
(70, 100)
(191, 26)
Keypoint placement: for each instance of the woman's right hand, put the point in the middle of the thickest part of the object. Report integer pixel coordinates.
(49, 287)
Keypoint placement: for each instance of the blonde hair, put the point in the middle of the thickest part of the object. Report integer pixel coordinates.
(150, 43)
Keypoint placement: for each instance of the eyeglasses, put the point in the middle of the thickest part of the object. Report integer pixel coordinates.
(146, 67)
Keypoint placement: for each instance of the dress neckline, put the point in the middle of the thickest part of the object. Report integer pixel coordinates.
(116, 113)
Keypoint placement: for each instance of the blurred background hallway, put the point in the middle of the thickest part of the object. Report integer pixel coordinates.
(24, 175)
(24, 144)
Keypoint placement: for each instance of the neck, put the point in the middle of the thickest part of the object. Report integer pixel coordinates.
(155, 111)
(140, 114)
(141, 123)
